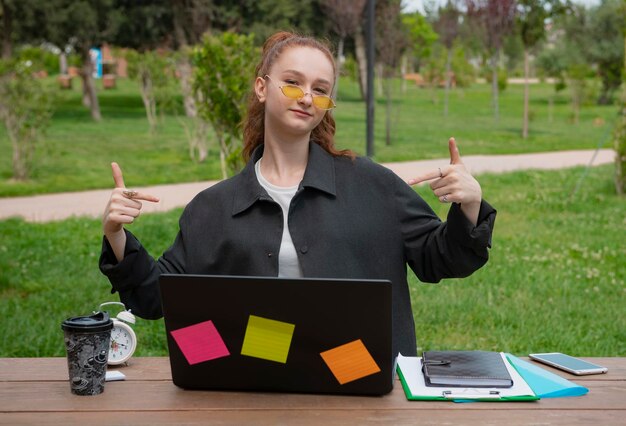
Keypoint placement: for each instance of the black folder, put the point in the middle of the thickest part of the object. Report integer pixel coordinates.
(474, 369)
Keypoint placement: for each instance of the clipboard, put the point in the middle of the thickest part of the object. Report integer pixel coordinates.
(410, 373)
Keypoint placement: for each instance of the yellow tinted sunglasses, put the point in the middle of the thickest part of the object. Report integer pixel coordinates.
(295, 92)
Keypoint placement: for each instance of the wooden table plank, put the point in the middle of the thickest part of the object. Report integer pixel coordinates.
(125, 396)
(44, 369)
(158, 368)
(327, 418)
(36, 391)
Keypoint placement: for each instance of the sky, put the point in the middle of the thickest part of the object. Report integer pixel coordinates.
(413, 5)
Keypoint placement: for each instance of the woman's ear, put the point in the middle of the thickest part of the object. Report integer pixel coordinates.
(260, 88)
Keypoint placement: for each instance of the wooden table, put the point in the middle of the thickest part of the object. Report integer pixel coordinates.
(36, 391)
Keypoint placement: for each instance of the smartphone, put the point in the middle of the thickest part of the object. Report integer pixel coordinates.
(568, 363)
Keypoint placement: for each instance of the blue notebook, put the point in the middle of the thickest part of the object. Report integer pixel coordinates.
(544, 383)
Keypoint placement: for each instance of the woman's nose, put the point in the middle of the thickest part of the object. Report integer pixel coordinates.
(306, 99)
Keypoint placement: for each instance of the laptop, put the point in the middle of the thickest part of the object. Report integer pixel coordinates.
(329, 336)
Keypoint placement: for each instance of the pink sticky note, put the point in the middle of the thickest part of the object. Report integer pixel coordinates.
(200, 342)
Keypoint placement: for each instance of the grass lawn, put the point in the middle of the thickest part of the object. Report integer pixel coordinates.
(77, 152)
(556, 280)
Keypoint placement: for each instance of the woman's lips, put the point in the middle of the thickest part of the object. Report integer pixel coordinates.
(301, 113)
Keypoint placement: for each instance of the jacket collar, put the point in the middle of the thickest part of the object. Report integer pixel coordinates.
(319, 174)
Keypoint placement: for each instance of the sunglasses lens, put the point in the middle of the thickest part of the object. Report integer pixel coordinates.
(320, 101)
(293, 92)
(323, 102)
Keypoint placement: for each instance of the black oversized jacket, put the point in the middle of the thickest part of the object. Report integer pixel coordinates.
(348, 219)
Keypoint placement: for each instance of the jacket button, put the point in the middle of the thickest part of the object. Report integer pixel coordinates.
(269, 254)
(304, 249)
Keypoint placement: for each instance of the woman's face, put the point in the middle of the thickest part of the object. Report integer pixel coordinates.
(307, 68)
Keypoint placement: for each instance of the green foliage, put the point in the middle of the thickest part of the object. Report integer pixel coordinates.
(434, 67)
(155, 72)
(350, 68)
(606, 25)
(464, 72)
(25, 110)
(531, 20)
(41, 59)
(224, 68)
(264, 17)
(421, 36)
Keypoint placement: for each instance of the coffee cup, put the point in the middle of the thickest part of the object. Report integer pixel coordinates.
(87, 340)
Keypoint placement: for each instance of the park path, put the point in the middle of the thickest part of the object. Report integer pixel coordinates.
(52, 207)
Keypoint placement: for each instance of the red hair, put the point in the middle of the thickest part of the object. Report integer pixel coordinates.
(254, 123)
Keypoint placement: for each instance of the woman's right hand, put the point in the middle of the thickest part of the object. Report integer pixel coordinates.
(123, 208)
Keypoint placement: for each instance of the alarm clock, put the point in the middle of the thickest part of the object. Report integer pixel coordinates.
(123, 337)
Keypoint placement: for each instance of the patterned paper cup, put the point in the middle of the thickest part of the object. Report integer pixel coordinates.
(87, 340)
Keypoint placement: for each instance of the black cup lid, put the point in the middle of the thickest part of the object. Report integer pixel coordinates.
(92, 323)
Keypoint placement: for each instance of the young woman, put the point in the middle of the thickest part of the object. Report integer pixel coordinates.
(301, 208)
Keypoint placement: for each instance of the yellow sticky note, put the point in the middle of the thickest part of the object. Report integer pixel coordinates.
(350, 362)
(267, 339)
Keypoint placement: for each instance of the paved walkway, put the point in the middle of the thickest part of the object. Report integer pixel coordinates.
(51, 207)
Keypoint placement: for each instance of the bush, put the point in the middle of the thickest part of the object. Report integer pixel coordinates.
(41, 59)
(25, 111)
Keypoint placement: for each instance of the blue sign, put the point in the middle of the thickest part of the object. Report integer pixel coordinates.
(96, 61)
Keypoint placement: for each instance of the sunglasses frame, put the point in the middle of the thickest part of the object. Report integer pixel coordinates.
(313, 96)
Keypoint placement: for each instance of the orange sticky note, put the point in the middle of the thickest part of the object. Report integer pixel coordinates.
(350, 362)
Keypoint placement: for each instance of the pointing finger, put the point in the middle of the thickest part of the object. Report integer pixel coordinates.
(435, 174)
(455, 156)
(117, 175)
(143, 196)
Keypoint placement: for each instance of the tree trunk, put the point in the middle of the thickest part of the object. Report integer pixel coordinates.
(448, 77)
(185, 70)
(7, 25)
(526, 94)
(19, 162)
(149, 103)
(387, 90)
(576, 103)
(494, 86)
(89, 88)
(63, 63)
(361, 59)
(380, 69)
(339, 62)
(403, 71)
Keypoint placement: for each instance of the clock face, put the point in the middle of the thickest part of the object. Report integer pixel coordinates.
(123, 343)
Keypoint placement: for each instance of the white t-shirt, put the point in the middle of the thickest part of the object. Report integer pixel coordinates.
(288, 263)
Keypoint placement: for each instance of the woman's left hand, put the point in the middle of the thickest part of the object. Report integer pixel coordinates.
(454, 184)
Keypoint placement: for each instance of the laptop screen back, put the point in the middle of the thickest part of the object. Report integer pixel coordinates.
(277, 334)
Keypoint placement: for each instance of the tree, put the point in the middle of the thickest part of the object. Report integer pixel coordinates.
(224, 67)
(390, 44)
(531, 20)
(6, 9)
(607, 50)
(447, 26)
(190, 19)
(570, 52)
(345, 16)
(82, 24)
(25, 111)
(154, 70)
(620, 128)
(493, 20)
(420, 36)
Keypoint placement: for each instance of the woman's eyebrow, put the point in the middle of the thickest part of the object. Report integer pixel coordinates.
(301, 75)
